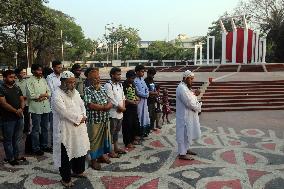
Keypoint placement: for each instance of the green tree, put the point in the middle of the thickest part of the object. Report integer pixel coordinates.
(125, 39)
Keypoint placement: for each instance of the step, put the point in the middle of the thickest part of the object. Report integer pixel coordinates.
(242, 105)
(246, 87)
(244, 93)
(242, 109)
(241, 90)
(243, 97)
(242, 101)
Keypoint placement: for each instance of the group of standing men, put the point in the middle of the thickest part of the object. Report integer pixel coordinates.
(84, 116)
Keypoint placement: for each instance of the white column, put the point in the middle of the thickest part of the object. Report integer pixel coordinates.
(264, 51)
(253, 47)
(256, 47)
(208, 51)
(245, 50)
(234, 46)
(224, 44)
(195, 54)
(213, 50)
(201, 61)
(260, 50)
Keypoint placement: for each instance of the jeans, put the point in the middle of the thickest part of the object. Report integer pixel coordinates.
(39, 132)
(12, 134)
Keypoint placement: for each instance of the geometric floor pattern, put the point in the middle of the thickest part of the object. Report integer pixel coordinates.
(249, 159)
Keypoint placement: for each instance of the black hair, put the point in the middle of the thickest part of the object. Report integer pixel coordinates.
(7, 73)
(56, 62)
(130, 73)
(139, 68)
(75, 67)
(35, 67)
(88, 70)
(152, 71)
(46, 71)
(18, 71)
(114, 70)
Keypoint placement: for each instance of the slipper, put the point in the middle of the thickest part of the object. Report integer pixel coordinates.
(103, 160)
(185, 157)
(82, 175)
(22, 159)
(114, 155)
(189, 152)
(120, 151)
(67, 185)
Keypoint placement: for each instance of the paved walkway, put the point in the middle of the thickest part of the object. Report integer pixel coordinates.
(227, 158)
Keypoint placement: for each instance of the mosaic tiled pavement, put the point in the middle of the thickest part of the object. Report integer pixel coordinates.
(249, 159)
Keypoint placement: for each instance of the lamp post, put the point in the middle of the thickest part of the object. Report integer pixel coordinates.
(16, 59)
(62, 47)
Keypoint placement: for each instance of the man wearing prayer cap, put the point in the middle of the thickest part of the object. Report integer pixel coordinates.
(70, 138)
(187, 120)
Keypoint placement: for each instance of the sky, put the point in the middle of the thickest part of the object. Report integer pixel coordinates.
(151, 17)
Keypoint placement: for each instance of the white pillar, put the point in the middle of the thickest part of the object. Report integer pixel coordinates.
(224, 46)
(201, 61)
(213, 49)
(208, 45)
(264, 51)
(253, 47)
(256, 47)
(245, 50)
(224, 42)
(195, 54)
(260, 50)
(234, 46)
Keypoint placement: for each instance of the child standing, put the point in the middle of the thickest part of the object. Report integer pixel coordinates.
(166, 106)
(158, 109)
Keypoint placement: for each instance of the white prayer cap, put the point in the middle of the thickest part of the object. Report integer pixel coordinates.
(67, 74)
(187, 74)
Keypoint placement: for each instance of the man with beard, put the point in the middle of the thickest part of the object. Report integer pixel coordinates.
(71, 143)
(98, 106)
(115, 94)
(76, 70)
(12, 104)
(39, 106)
(187, 120)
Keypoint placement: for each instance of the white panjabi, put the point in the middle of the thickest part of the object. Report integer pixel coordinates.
(67, 127)
(187, 120)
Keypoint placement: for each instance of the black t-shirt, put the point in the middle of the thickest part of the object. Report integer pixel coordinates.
(12, 96)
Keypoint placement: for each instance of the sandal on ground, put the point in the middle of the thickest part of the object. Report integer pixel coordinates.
(104, 160)
(185, 157)
(120, 151)
(95, 165)
(189, 152)
(136, 142)
(114, 155)
(67, 185)
(130, 146)
(82, 175)
(21, 159)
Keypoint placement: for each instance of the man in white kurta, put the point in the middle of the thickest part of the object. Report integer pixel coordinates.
(187, 120)
(70, 137)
